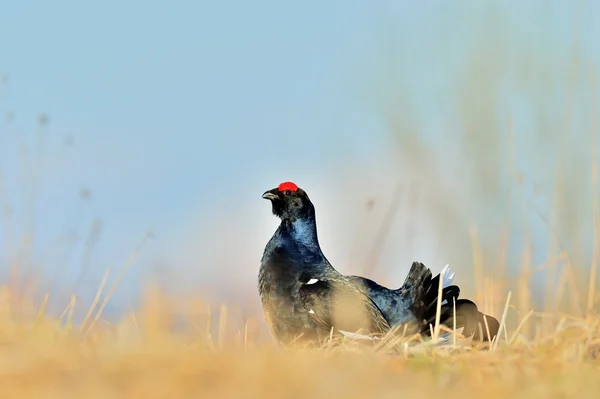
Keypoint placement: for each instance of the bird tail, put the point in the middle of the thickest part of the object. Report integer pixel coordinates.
(423, 291)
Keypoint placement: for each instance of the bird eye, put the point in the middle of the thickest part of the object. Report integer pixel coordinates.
(288, 192)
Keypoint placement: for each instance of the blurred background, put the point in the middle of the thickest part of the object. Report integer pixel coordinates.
(459, 133)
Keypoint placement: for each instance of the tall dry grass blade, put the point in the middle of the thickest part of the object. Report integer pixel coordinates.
(503, 320)
(72, 304)
(95, 301)
(42, 310)
(90, 244)
(561, 288)
(520, 326)
(209, 336)
(222, 326)
(523, 286)
(477, 263)
(454, 320)
(577, 297)
(487, 330)
(113, 288)
(504, 247)
(64, 314)
(134, 320)
(438, 307)
(596, 222)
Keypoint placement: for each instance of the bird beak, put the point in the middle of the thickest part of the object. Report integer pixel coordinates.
(270, 195)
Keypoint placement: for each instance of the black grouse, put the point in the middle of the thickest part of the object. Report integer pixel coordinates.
(305, 298)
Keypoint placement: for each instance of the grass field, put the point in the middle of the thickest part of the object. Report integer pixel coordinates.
(143, 356)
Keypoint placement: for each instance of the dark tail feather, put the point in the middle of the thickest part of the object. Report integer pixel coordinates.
(423, 290)
(474, 322)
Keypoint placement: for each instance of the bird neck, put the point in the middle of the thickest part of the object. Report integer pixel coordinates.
(303, 231)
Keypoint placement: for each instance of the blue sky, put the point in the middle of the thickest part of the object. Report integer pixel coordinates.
(181, 114)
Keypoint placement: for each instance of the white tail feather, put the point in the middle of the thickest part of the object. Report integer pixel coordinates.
(447, 276)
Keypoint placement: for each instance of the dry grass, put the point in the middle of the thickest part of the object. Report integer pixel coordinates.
(143, 356)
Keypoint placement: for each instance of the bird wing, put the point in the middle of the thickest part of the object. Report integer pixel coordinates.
(339, 304)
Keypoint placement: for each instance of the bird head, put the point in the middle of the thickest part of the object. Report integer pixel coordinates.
(290, 202)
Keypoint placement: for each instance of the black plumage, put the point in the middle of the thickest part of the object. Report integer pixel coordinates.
(305, 298)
